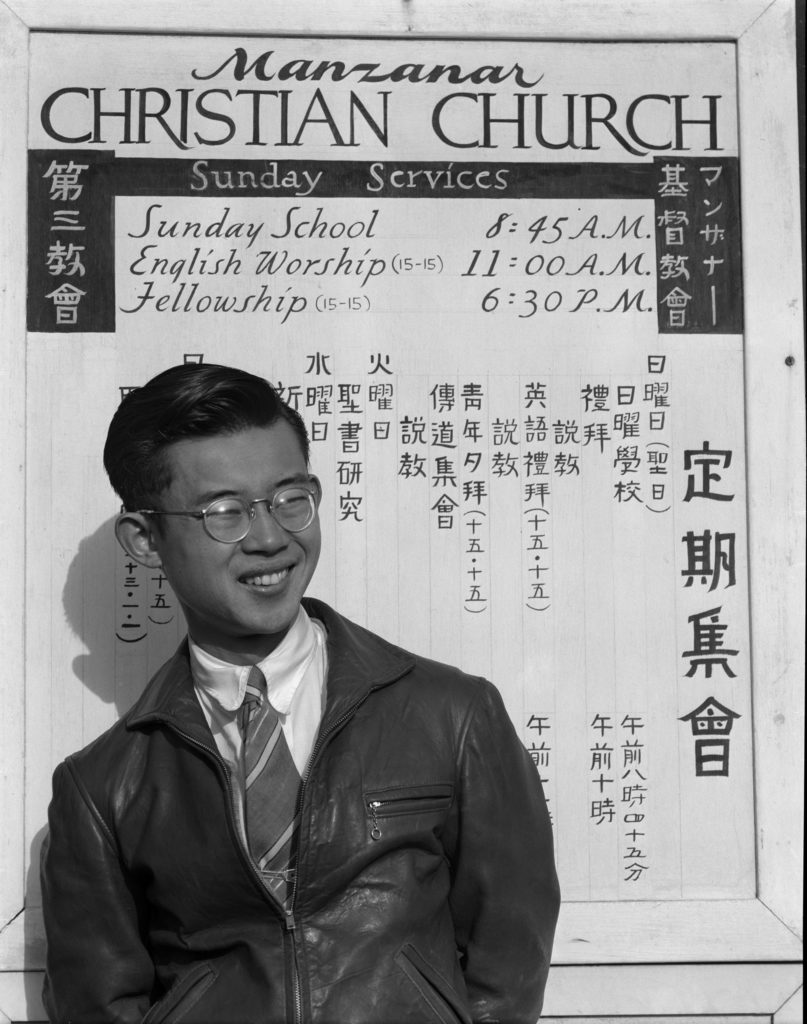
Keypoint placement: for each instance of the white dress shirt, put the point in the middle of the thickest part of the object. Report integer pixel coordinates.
(295, 675)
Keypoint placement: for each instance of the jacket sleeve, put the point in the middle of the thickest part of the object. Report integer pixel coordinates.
(505, 895)
(98, 970)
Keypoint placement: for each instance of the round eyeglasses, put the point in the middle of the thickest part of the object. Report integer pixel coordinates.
(229, 520)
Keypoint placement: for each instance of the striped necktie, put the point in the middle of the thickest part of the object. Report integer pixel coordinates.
(272, 785)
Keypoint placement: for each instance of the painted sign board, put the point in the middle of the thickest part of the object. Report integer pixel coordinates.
(521, 292)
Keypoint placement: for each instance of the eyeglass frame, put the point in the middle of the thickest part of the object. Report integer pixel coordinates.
(310, 486)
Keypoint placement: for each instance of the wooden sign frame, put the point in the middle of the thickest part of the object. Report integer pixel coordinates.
(710, 958)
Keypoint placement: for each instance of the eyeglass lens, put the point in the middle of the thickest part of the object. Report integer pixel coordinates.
(230, 519)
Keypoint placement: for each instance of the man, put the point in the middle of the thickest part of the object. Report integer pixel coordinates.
(351, 834)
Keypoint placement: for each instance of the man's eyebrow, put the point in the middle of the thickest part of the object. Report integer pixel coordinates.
(228, 492)
(295, 478)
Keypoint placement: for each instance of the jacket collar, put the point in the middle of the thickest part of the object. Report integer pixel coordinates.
(170, 698)
(358, 662)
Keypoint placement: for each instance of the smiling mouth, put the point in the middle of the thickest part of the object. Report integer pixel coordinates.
(266, 579)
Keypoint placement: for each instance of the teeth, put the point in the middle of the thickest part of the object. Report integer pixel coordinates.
(268, 579)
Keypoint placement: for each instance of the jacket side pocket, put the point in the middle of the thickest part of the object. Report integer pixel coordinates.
(436, 992)
(183, 995)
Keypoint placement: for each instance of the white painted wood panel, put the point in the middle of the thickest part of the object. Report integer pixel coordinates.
(776, 497)
(13, 74)
(553, 19)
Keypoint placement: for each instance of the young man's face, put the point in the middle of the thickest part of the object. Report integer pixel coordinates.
(239, 599)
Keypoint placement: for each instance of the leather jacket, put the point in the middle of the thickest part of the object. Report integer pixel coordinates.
(426, 888)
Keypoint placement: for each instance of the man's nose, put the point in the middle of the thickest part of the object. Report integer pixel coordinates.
(265, 533)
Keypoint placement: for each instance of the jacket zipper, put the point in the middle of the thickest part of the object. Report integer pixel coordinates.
(297, 994)
(288, 915)
(375, 831)
(291, 924)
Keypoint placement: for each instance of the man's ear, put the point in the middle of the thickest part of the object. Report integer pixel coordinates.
(136, 535)
(317, 488)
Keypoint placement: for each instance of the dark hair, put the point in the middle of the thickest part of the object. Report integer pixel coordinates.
(191, 400)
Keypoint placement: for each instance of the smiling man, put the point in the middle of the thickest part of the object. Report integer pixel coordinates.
(297, 821)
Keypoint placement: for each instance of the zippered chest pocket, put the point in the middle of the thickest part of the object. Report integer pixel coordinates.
(382, 804)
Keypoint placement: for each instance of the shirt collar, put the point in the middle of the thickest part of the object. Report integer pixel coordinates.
(283, 669)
